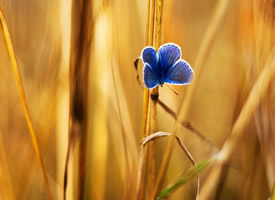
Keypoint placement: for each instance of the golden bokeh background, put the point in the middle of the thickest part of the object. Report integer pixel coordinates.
(41, 35)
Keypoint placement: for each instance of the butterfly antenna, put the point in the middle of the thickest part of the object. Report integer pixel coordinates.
(172, 89)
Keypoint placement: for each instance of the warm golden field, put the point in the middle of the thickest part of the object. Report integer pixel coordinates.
(76, 63)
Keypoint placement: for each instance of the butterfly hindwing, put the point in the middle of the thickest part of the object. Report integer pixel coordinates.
(180, 73)
(149, 77)
(168, 55)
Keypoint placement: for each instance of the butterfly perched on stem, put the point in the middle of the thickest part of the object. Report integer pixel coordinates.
(165, 66)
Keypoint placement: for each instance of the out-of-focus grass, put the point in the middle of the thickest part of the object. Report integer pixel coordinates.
(40, 32)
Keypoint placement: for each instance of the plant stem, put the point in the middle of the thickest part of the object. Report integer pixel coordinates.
(20, 87)
(79, 70)
(153, 105)
(150, 23)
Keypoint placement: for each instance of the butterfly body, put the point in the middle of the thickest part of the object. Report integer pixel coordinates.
(165, 66)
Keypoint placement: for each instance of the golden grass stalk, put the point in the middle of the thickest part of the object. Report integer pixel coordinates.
(207, 43)
(79, 69)
(20, 87)
(152, 22)
(238, 131)
(149, 38)
(153, 103)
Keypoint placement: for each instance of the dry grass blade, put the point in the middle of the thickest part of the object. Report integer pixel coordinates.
(185, 124)
(142, 164)
(20, 87)
(257, 93)
(194, 164)
(154, 136)
(182, 146)
(211, 33)
(207, 43)
(128, 174)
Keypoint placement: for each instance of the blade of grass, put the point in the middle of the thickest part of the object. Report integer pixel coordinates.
(128, 173)
(208, 40)
(185, 124)
(257, 93)
(186, 177)
(20, 87)
(264, 41)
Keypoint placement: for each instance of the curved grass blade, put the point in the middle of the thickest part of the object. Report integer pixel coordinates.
(182, 146)
(20, 87)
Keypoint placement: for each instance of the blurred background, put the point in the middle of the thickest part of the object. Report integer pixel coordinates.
(41, 35)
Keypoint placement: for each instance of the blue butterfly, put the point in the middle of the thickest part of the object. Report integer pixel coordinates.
(165, 66)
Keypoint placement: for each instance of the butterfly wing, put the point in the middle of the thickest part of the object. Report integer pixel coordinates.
(149, 56)
(180, 73)
(169, 54)
(149, 77)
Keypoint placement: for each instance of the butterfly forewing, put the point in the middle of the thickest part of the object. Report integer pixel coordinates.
(149, 56)
(168, 55)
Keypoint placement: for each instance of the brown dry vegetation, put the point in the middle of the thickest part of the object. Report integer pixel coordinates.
(231, 46)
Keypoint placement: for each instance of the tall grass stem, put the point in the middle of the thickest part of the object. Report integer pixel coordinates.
(81, 37)
(207, 43)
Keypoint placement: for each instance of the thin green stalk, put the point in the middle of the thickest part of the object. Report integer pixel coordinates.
(20, 87)
(186, 177)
